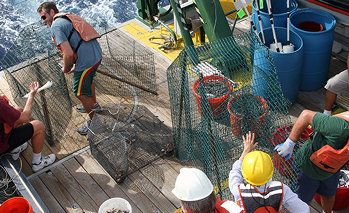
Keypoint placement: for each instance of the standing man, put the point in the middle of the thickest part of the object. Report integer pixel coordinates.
(261, 193)
(195, 192)
(320, 158)
(337, 85)
(16, 130)
(77, 41)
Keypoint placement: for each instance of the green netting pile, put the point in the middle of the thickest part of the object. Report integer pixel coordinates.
(220, 91)
(127, 70)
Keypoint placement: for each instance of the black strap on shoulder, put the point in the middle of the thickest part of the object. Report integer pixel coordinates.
(71, 33)
(77, 47)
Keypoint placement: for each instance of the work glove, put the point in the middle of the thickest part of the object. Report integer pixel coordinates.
(285, 149)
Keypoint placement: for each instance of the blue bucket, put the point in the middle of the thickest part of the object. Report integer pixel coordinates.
(317, 45)
(279, 9)
(288, 67)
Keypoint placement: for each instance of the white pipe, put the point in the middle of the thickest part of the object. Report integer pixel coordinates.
(260, 21)
(272, 26)
(288, 22)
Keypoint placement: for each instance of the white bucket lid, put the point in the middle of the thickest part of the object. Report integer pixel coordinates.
(115, 204)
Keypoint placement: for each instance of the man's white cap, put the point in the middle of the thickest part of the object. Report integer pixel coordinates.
(192, 184)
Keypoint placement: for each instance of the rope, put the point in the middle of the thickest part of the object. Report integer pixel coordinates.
(168, 44)
(7, 180)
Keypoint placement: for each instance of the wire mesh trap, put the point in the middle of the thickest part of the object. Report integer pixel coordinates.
(127, 70)
(218, 92)
(123, 139)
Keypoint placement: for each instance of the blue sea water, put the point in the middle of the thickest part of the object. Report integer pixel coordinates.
(16, 14)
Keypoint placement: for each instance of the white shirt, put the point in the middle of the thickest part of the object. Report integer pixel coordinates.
(290, 199)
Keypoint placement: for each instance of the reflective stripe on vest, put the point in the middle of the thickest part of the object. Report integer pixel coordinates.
(253, 200)
(329, 159)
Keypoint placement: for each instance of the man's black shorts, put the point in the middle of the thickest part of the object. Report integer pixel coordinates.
(20, 135)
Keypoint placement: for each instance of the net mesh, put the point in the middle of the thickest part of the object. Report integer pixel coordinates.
(127, 137)
(127, 70)
(219, 92)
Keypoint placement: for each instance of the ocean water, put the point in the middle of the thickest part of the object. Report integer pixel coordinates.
(16, 14)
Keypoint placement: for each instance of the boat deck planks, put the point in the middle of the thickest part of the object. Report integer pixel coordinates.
(101, 177)
(59, 192)
(86, 181)
(75, 189)
(80, 184)
(46, 195)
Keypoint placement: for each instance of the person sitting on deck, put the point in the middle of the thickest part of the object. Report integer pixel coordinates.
(337, 85)
(195, 192)
(261, 194)
(16, 130)
(320, 158)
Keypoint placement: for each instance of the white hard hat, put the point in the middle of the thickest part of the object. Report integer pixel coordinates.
(192, 184)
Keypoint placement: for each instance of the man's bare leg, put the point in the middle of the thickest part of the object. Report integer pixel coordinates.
(327, 203)
(38, 136)
(93, 89)
(329, 100)
(88, 104)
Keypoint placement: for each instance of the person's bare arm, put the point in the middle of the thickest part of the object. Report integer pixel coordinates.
(28, 108)
(68, 57)
(304, 120)
(285, 149)
(249, 144)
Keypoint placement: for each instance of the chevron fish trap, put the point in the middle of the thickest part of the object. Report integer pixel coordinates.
(127, 136)
(108, 146)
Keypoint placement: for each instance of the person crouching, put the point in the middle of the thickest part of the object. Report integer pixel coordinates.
(261, 193)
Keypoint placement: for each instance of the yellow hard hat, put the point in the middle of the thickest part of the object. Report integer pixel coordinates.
(257, 168)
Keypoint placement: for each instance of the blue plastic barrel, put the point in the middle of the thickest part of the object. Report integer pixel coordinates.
(279, 9)
(288, 67)
(317, 46)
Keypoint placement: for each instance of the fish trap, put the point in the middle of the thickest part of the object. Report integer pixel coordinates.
(215, 100)
(124, 138)
(108, 146)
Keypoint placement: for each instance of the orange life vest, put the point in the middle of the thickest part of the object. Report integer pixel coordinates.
(85, 30)
(226, 206)
(330, 159)
(7, 128)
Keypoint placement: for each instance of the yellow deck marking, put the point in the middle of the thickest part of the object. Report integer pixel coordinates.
(143, 35)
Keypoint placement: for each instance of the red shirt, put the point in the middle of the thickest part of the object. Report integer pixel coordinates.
(8, 115)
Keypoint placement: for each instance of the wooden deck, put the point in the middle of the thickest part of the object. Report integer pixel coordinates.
(76, 182)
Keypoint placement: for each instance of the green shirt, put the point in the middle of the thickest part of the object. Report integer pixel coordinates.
(330, 130)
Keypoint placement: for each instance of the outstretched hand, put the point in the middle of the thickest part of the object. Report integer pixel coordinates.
(34, 88)
(249, 144)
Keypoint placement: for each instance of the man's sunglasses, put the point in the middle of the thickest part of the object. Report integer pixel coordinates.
(43, 17)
